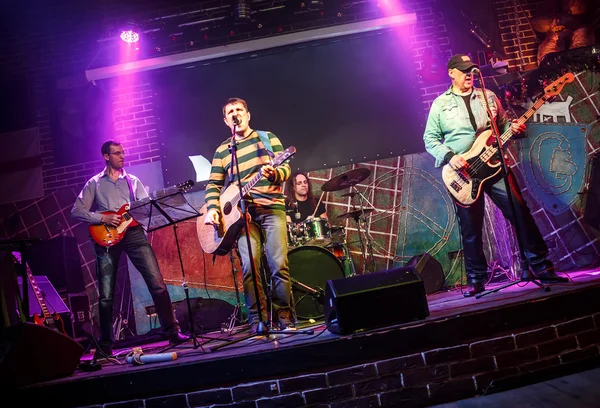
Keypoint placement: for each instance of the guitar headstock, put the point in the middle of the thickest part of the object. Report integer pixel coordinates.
(283, 156)
(185, 186)
(557, 86)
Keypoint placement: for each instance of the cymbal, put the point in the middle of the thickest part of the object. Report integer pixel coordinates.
(345, 180)
(355, 213)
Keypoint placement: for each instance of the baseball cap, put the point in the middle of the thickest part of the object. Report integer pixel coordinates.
(461, 62)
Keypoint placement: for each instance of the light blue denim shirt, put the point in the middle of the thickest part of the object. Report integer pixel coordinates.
(449, 128)
(106, 194)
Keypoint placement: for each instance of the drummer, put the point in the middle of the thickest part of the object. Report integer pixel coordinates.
(300, 205)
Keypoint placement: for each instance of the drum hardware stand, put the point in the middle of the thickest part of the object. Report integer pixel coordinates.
(362, 216)
(236, 315)
(262, 329)
(318, 294)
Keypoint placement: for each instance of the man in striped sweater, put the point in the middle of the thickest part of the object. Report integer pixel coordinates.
(265, 204)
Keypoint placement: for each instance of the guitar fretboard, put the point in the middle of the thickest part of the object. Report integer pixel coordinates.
(492, 150)
(39, 295)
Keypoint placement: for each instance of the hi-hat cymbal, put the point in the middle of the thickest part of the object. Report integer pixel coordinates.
(355, 213)
(345, 180)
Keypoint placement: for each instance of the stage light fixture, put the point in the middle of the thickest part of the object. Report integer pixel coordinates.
(242, 11)
(130, 32)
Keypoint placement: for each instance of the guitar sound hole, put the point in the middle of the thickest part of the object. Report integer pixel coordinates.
(227, 208)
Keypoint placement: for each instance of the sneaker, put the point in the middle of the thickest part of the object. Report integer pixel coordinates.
(284, 320)
(103, 351)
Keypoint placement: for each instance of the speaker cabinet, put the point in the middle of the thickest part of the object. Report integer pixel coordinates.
(373, 300)
(430, 271)
(30, 353)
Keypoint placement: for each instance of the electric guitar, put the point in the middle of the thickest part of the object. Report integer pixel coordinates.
(49, 320)
(219, 239)
(107, 235)
(466, 184)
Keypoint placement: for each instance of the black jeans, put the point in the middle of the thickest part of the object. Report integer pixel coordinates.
(471, 229)
(138, 249)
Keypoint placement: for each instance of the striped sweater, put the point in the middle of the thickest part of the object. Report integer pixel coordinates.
(252, 156)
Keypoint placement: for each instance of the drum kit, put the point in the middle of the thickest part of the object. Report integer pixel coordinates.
(319, 250)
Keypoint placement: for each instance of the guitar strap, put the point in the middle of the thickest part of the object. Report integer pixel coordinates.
(131, 193)
(480, 96)
(264, 137)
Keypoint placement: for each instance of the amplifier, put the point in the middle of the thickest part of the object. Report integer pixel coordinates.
(81, 314)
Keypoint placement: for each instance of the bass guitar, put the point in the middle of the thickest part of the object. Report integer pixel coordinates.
(219, 239)
(107, 235)
(466, 184)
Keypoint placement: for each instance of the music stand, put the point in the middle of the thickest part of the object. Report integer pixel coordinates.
(165, 208)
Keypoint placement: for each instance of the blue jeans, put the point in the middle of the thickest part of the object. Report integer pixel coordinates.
(138, 249)
(268, 234)
(471, 229)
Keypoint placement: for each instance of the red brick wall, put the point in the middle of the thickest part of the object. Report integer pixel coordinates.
(519, 40)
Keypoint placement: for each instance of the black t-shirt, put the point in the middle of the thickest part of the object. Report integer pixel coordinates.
(301, 210)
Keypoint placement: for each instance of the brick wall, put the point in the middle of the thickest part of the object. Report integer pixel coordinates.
(427, 378)
(519, 41)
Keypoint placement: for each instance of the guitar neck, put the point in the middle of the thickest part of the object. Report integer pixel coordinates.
(38, 294)
(505, 137)
(248, 186)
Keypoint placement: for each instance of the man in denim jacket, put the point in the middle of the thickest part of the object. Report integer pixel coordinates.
(455, 120)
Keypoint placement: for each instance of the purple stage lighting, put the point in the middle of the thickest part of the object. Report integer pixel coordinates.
(130, 36)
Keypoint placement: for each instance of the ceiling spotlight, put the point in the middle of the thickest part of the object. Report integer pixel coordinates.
(314, 5)
(130, 32)
(242, 11)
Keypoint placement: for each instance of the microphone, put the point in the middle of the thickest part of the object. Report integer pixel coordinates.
(237, 120)
(475, 71)
(297, 214)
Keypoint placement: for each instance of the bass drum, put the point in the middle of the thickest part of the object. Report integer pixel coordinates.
(310, 269)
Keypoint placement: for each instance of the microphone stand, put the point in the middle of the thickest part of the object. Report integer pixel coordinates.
(526, 275)
(261, 329)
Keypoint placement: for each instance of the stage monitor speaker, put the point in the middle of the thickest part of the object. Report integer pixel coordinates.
(373, 300)
(30, 353)
(207, 314)
(430, 271)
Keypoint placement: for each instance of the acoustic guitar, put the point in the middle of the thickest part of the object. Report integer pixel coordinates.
(220, 239)
(107, 235)
(466, 184)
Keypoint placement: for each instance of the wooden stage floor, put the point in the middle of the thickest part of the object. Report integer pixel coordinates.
(255, 357)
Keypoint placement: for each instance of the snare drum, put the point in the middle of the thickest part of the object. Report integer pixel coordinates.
(316, 231)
